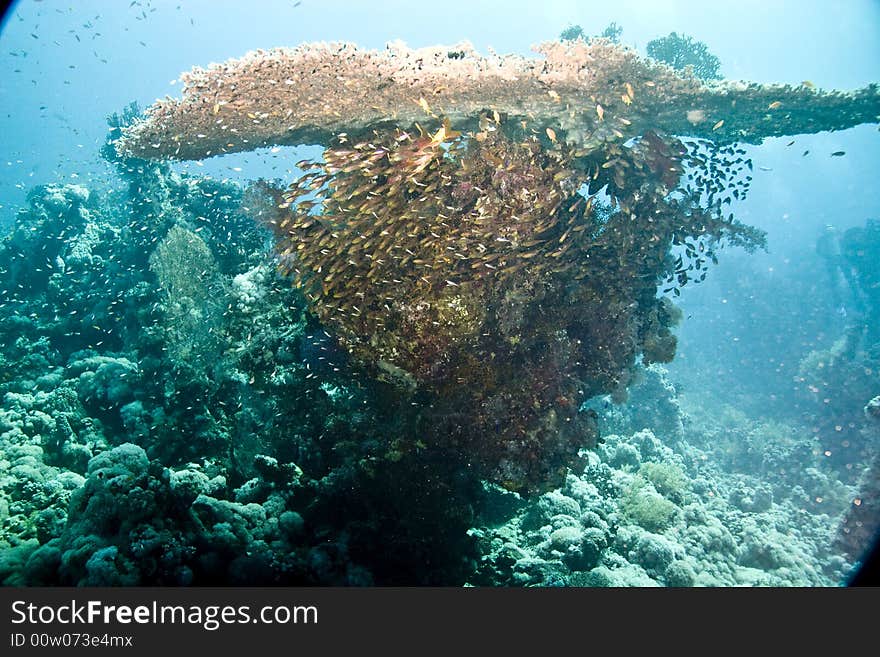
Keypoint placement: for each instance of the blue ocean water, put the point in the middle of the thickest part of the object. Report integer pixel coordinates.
(756, 434)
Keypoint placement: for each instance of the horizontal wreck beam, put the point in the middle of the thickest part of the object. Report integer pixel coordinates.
(587, 92)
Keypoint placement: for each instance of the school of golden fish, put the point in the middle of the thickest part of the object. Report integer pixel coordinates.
(506, 272)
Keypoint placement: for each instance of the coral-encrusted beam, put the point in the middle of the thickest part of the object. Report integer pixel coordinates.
(585, 91)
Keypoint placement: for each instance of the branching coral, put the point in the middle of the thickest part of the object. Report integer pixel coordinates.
(682, 51)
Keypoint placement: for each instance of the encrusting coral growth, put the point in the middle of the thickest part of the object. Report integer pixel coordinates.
(311, 93)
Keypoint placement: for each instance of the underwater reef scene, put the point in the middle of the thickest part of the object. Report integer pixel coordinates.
(444, 353)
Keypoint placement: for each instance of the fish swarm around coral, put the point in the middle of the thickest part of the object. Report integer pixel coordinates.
(503, 266)
(502, 278)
